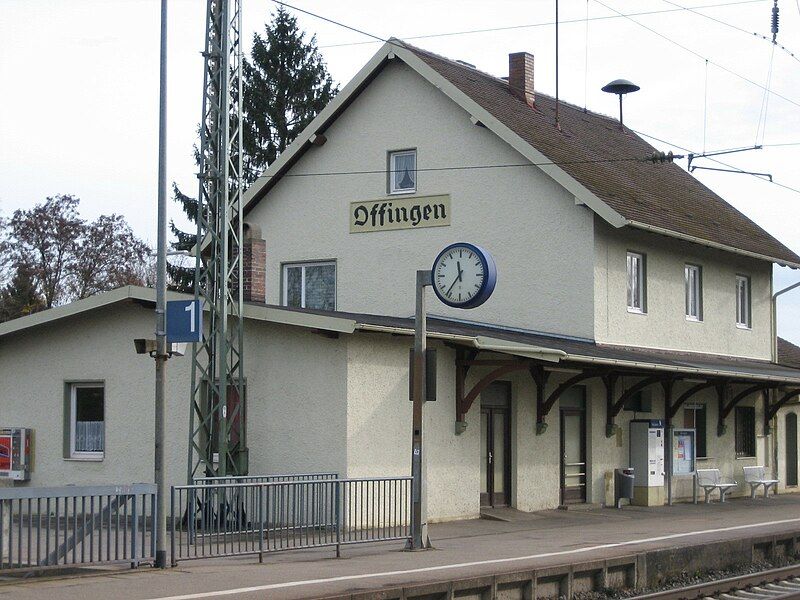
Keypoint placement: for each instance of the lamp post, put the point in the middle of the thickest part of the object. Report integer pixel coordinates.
(161, 354)
(419, 504)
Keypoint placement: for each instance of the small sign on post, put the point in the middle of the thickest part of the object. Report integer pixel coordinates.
(184, 321)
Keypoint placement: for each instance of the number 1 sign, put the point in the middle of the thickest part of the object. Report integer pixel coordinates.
(184, 321)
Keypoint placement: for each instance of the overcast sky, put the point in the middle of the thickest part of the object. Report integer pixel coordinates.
(79, 108)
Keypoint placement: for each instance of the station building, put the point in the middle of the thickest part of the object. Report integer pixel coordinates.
(626, 291)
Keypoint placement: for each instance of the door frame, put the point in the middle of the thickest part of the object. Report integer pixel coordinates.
(562, 492)
(791, 461)
(494, 498)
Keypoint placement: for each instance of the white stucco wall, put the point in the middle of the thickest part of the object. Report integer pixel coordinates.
(542, 241)
(296, 397)
(665, 324)
(34, 366)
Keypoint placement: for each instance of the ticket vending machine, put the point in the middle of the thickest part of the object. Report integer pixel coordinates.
(647, 460)
(15, 453)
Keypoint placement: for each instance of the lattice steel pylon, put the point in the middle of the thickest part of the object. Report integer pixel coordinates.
(217, 446)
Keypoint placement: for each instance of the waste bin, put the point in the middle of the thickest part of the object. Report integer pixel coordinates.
(623, 485)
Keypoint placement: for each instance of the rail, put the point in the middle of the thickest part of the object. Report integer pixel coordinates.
(728, 585)
(76, 525)
(232, 519)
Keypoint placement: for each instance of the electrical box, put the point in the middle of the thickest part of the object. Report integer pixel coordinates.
(15, 453)
(647, 460)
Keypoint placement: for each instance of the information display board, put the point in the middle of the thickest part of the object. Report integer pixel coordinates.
(684, 451)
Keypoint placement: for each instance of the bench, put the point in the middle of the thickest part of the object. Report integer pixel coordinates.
(710, 480)
(756, 476)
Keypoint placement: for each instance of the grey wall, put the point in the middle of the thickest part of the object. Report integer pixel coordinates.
(542, 241)
(665, 324)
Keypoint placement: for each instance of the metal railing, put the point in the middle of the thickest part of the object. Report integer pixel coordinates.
(264, 478)
(76, 525)
(231, 519)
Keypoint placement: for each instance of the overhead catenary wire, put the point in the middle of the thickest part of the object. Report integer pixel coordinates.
(695, 10)
(730, 166)
(659, 157)
(545, 23)
(698, 55)
(762, 115)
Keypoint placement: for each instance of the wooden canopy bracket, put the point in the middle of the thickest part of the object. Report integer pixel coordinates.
(539, 376)
(543, 407)
(772, 409)
(614, 407)
(725, 408)
(673, 407)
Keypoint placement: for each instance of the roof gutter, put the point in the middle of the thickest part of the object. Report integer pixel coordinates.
(486, 344)
(614, 362)
(710, 244)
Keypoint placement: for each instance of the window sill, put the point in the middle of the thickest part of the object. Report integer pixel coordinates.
(98, 458)
(402, 192)
(704, 458)
(744, 327)
(746, 458)
(636, 311)
(694, 320)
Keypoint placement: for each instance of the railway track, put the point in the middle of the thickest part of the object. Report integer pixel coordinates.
(781, 583)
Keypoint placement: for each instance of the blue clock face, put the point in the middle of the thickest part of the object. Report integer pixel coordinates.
(464, 275)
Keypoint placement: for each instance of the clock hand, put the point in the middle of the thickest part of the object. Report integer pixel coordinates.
(460, 272)
(455, 281)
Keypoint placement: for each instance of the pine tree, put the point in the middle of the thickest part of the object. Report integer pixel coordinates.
(20, 298)
(285, 85)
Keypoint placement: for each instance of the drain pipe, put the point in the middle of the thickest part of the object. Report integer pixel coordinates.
(774, 353)
(774, 318)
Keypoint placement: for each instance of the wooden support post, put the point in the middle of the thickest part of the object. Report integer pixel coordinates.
(539, 376)
(610, 382)
(722, 392)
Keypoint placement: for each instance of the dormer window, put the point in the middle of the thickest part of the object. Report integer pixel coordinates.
(403, 172)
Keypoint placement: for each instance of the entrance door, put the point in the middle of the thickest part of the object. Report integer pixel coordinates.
(573, 456)
(496, 445)
(791, 449)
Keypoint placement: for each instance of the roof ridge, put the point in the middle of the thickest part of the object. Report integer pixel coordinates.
(501, 80)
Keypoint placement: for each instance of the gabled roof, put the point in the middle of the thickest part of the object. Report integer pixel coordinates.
(591, 152)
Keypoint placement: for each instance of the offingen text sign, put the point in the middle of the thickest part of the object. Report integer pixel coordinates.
(400, 213)
(184, 321)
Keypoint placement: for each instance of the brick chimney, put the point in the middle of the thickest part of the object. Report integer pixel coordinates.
(520, 76)
(254, 264)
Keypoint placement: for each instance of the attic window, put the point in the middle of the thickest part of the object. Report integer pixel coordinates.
(402, 174)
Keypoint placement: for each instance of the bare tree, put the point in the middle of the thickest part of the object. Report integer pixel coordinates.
(107, 255)
(65, 258)
(42, 240)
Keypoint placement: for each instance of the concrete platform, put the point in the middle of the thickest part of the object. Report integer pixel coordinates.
(556, 547)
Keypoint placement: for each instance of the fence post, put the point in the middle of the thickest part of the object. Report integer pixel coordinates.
(173, 562)
(5, 532)
(261, 523)
(134, 534)
(337, 509)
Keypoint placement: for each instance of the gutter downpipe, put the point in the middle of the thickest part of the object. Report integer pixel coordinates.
(774, 341)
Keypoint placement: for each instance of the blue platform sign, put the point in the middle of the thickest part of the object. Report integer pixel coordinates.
(184, 322)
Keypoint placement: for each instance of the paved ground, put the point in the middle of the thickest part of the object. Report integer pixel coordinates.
(462, 549)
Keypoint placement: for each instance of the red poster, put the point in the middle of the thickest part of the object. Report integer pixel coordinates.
(5, 452)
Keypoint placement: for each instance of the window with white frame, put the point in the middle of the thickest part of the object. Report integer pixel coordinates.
(637, 284)
(743, 313)
(693, 278)
(86, 425)
(403, 172)
(310, 285)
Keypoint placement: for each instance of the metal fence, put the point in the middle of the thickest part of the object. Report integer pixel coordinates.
(231, 519)
(264, 478)
(76, 525)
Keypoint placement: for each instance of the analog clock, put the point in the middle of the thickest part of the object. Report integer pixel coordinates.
(464, 275)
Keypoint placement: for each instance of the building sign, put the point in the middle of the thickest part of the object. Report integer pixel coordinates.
(400, 213)
(184, 321)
